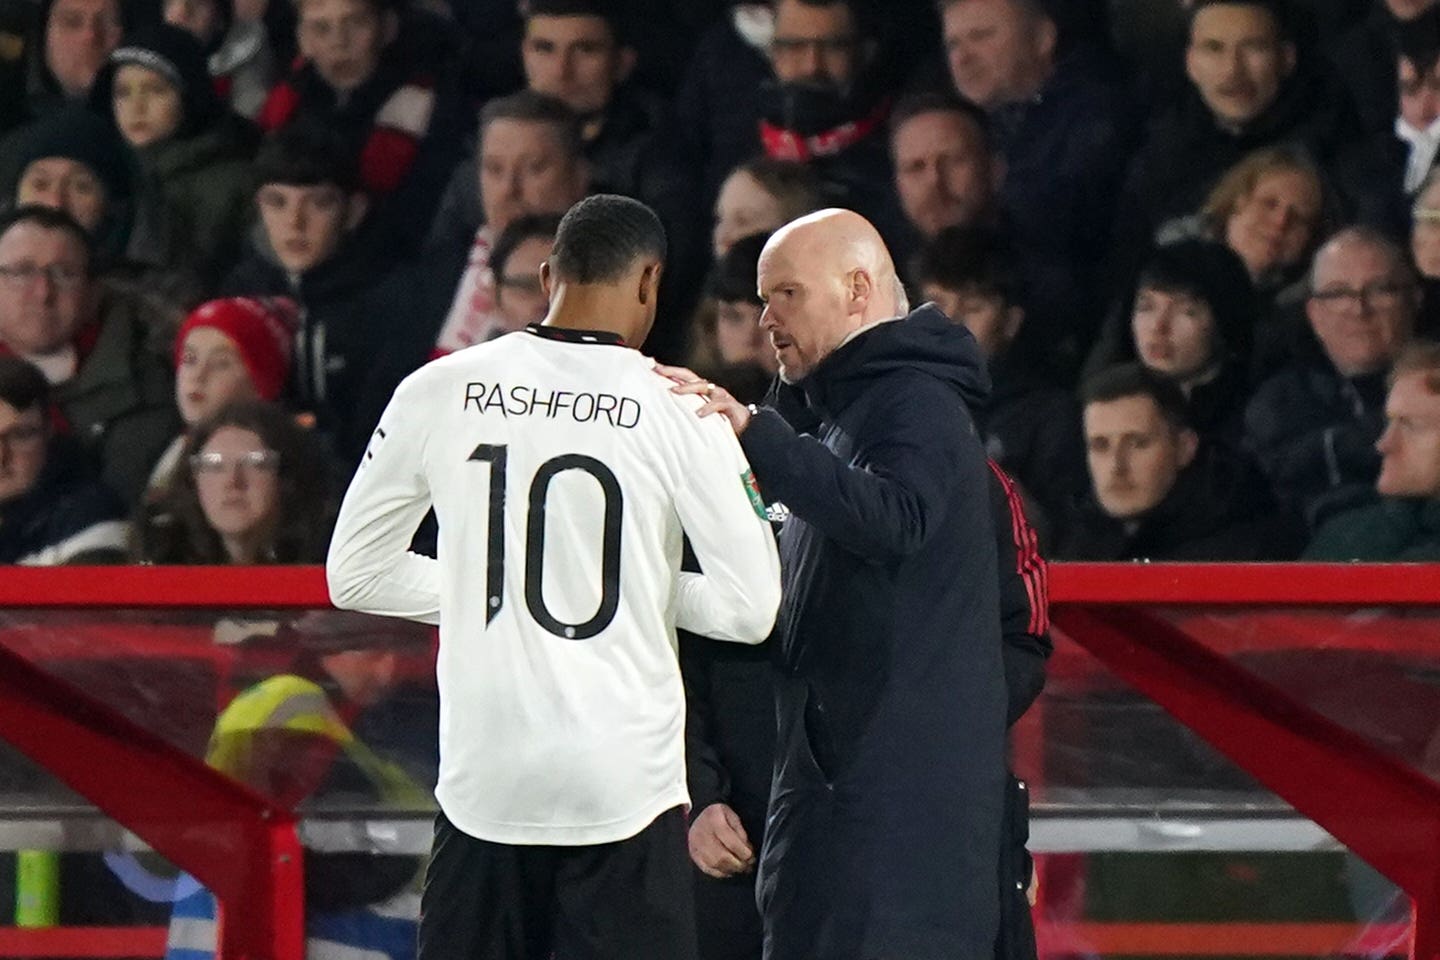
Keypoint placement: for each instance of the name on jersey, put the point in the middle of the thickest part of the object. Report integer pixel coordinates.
(523, 401)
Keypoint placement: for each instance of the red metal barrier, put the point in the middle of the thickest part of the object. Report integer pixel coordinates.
(247, 850)
(241, 846)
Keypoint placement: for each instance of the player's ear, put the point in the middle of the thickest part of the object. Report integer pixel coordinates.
(650, 282)
(547, 278)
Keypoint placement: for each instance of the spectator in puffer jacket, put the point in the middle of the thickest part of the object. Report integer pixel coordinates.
(192, 151)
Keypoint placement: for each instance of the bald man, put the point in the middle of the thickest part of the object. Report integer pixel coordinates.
(884, 821)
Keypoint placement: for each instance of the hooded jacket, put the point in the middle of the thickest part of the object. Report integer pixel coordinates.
(883, 832)
(195, 189)
(76, 133)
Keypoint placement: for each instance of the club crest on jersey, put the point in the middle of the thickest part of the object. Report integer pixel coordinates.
(752, 490)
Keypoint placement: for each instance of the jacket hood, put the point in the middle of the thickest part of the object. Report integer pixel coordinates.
(923, 342)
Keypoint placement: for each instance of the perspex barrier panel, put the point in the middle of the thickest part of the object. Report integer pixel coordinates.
(1151, 843)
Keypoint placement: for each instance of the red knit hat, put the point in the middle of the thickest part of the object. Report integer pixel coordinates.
(262, 329)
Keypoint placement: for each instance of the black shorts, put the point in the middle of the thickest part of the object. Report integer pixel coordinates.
(628, 900)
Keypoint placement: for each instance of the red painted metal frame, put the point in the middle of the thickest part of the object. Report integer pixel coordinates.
(1383, 810)
(242, 847)
(1329, 774)
(1206, 584)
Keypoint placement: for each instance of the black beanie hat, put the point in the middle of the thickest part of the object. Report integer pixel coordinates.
(178, 57)
(75, 133)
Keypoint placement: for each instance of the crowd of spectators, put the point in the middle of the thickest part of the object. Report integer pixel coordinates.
(1202, 258)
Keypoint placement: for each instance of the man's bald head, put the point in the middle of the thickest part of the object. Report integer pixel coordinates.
(823, 277)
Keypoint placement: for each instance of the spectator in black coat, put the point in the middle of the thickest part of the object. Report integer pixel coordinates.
(1248, 90)
(948, 174)
(74, 160)
(68, 46)
(1031, 427)
(1313, 425)
(713, 119)
(1190, 319)
(312, 250)
(1062, 126)
(50, 511)
(827, 102)
(1364, 61)
(1156, 494)
(889, 630)
(1382, 174)
(578, 51)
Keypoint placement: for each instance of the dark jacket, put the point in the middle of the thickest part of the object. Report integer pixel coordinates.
(1391, 531)
(339, 341)
(1364, 61)
(1066, 153)
(1314, 432)
(884, 826)
(1217, 510)
(120, 404)
(1032, 429)
(58, 520)
(1186, 152)
(195, 200)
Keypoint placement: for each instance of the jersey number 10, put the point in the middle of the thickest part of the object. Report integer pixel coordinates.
(495, 455)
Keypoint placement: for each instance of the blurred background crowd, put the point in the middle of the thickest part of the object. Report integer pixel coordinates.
(1197, 240)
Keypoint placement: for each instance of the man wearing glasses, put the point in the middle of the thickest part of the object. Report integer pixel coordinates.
(1314, 424)
(112, 390)
(828, 103)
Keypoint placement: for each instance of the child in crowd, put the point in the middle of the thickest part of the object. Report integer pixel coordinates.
(227, 351)
(192, 151)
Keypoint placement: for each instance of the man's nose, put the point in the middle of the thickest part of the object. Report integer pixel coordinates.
(1386, 443)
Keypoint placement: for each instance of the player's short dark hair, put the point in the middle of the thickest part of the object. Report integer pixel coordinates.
(1278, 10)
(1133, 380)
(527, 106)
(938, 101)
(602, 237)
(48, 218)
(531, 226)
(970, 258)
(607, 10)
(306, 155)
(22, 385)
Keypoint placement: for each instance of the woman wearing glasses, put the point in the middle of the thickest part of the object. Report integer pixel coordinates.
(252, 487)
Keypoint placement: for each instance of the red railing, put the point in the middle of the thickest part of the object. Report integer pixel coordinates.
(191, 814)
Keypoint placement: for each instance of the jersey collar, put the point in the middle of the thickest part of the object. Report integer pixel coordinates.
(567, 335)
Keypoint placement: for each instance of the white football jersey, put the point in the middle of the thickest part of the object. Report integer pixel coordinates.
(563, 472)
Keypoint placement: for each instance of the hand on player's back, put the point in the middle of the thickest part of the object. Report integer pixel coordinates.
(718, 843)
(717, 398)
